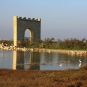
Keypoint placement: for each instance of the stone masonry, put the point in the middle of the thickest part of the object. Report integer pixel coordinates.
(20, 26)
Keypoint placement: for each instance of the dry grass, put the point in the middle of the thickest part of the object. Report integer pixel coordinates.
(36, 78)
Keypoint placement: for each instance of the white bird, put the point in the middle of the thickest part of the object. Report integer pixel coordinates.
(60, 65)
(79, 60)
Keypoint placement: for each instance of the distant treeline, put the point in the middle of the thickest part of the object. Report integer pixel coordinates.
(9, 42)
(71, 43)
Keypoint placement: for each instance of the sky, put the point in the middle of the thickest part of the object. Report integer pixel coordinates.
(59, 18)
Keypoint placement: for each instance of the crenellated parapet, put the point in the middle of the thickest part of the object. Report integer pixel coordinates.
(32, 19)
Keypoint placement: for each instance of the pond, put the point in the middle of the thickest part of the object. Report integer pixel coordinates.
(28, 60)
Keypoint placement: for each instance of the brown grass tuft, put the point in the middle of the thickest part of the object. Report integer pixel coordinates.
(36, 78)
(83, 67)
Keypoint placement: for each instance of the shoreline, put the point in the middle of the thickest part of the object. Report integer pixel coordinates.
(71, 52)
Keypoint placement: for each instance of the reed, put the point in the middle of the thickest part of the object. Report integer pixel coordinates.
(44, 78)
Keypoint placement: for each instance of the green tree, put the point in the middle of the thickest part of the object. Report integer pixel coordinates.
(48, 41)
(38, 42)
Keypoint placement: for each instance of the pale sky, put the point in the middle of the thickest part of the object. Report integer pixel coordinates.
(59, 18)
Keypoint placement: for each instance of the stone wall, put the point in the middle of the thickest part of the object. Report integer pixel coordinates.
(21, 24)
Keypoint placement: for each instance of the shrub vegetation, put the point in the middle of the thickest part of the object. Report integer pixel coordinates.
(73, 43)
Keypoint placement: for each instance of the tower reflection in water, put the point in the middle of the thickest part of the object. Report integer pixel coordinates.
(19, 62)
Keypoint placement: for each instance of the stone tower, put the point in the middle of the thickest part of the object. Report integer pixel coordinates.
(20, 26)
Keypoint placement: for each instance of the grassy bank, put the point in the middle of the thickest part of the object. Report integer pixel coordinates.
(35, 78)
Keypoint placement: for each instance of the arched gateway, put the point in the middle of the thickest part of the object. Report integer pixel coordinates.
(20, 26)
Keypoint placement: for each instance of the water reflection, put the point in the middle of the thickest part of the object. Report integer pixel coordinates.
(18, 60)
(74, 60)
(6, 58)
(34, 61)
(26, 60)
(40, 60)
